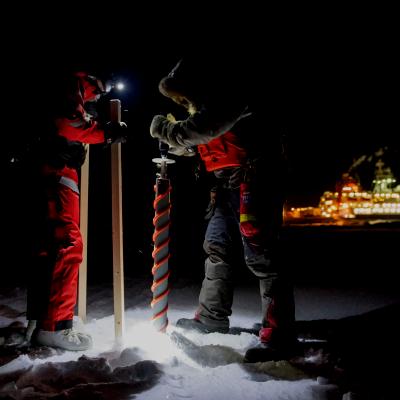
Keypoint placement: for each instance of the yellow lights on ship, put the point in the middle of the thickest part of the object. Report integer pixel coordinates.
(388, 180)
(362, 211)
(352, 201)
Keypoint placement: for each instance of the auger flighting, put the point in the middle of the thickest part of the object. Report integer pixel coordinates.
(161, 255)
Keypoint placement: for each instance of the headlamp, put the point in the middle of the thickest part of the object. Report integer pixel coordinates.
(114, 84)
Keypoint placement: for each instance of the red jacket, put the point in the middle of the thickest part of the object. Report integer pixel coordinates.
(61, 150)
(79, 126)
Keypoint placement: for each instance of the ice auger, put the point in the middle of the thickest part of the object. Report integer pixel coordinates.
(161, 255)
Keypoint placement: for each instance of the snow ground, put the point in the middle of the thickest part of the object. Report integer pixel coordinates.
(213, 370)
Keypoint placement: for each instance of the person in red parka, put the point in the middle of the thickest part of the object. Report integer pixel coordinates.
(72, 124)
(238, 139)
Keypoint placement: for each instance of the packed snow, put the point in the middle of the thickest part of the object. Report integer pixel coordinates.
(149, 365)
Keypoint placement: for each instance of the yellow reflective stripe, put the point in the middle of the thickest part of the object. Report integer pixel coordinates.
(247, 217)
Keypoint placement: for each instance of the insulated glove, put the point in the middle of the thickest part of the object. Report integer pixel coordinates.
(75, 154)
(156, 125)
(115, 132)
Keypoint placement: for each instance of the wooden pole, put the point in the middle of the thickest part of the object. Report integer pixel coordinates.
(117, 239)
(83, 224)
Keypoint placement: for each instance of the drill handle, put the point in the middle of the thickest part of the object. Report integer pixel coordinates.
(163, 147)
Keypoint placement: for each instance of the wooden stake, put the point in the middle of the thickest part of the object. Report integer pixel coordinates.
(117, 239)
(83, 224)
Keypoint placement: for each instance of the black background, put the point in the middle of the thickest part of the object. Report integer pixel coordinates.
(343, 85)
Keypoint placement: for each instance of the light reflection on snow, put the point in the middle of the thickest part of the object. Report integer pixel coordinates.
(184, 377)
(155, 345)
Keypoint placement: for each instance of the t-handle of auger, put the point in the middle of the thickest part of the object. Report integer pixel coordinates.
(163, 160)
(163, 147)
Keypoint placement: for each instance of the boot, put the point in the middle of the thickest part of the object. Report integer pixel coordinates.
(194, 324)
(67, 339)
(266, 352)
(274, 346)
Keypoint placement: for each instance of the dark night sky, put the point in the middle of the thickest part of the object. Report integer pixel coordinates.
(342, 81)
(342, 92)
(342, 78)
(342, 73)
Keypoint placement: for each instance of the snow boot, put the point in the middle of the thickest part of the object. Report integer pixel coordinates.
(273, 346)
(194, 324)
(67, 339)
(265, 352)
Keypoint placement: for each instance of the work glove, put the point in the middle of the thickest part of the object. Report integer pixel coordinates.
(180, 150)
(58, 152)
(156, 129)
(75, 155)
(156, 126)
(115, 132)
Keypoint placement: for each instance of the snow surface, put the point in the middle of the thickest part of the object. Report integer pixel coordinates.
(212, 371)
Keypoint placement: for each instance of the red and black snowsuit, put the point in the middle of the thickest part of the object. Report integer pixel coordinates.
(58, 251)
(229, 135)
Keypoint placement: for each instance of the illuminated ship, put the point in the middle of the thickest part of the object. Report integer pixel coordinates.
(351, 201)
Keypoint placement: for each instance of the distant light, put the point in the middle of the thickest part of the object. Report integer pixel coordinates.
(120, 86)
